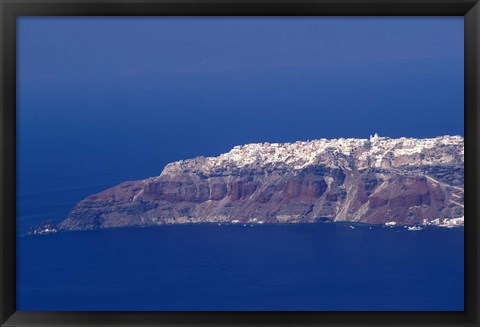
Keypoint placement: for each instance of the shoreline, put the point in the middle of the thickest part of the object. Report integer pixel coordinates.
(219, 224)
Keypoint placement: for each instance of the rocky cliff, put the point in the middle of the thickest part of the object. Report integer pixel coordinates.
(378, 180)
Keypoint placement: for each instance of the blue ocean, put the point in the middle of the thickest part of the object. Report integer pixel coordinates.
(106, 100)
(315, 267)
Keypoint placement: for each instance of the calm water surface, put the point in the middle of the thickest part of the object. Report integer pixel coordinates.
(231, 267)
(79, 133)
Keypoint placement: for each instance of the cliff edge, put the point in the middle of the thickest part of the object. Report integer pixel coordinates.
(377, 180)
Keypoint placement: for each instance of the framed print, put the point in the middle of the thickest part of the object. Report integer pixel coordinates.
(239, 163)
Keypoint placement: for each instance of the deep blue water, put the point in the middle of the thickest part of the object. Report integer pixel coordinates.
(94, 111)
(211, 267)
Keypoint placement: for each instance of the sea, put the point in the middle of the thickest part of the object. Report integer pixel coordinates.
(210, 267)
(102, 102)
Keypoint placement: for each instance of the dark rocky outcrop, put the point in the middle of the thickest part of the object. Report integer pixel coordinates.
(323, 183)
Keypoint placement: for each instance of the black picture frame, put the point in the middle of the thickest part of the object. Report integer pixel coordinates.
(11, 9)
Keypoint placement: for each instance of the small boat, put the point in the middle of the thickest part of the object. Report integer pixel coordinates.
(352, 227)
(415, 228)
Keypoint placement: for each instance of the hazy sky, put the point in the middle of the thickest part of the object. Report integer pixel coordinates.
(159, 89)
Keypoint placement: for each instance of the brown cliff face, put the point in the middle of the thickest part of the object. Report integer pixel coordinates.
(188, 193)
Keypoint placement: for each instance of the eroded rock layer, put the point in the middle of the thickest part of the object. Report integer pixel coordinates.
(377, 180)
